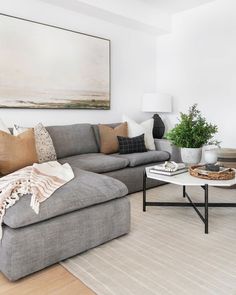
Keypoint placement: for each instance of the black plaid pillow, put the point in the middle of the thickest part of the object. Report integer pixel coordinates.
(131, 145)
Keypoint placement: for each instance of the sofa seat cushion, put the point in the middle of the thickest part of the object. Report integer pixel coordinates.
(85, 190)
(137, 159)
(98, 163)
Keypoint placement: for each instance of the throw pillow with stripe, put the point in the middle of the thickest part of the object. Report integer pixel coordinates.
(131, 145)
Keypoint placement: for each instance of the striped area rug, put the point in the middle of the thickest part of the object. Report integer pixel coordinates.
(166, 251)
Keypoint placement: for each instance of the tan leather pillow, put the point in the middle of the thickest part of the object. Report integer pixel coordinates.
(108, 137)
(17, 151)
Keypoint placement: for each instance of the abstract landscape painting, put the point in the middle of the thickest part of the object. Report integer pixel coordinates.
(43, 66)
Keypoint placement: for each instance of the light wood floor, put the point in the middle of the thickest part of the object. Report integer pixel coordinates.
(55, 280)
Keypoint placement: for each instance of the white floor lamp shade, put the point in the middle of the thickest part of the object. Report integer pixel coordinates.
(157, 102)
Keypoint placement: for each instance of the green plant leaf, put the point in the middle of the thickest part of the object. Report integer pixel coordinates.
(192, 131)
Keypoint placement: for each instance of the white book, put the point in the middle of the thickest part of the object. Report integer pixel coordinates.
(169, 166)
(168, 173)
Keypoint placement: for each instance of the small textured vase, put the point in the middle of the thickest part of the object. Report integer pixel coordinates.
(191, 155)
(210, 156)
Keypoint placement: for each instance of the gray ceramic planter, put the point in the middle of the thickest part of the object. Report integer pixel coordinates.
(191, 155)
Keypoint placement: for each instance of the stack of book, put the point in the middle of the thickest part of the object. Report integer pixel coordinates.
(169, 168)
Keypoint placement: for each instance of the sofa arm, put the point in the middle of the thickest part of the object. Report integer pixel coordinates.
(166, 146)
(163, 145)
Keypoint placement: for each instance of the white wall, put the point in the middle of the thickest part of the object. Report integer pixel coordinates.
(197, 64)
(132, 62)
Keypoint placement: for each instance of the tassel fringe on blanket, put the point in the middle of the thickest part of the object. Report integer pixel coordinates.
(38, 180)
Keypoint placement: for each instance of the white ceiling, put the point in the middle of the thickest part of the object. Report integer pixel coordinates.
(152, 16)
(173, 6)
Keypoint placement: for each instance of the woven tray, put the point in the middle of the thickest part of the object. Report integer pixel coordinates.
(211, 175)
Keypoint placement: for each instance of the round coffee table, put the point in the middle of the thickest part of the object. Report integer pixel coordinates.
(185, 179)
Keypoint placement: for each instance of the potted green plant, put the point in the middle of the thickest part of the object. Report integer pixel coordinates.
(191, 133)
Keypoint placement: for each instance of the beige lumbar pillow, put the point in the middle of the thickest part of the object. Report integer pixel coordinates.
(17, 152)
(108, 137)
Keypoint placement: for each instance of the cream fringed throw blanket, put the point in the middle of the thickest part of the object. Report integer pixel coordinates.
(39, 180)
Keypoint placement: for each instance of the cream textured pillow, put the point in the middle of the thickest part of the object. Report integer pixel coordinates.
(44, 144)
(146, 127)
(4, 128)
(17, 152)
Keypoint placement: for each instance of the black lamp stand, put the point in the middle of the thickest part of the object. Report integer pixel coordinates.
(158, 127)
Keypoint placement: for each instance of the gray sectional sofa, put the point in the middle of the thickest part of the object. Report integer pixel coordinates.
(90, 210)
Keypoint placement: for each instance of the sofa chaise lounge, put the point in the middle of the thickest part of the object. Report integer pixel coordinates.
(90, 210)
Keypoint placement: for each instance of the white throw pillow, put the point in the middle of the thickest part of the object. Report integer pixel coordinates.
(18, 129)
(4, 128)
(148, 137)
(135, 129)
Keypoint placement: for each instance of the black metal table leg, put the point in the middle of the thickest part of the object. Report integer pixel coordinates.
(184, 191)
(205, 205)
(206, 209)
(144, 189)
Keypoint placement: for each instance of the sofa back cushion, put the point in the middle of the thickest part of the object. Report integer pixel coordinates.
(70, 140)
